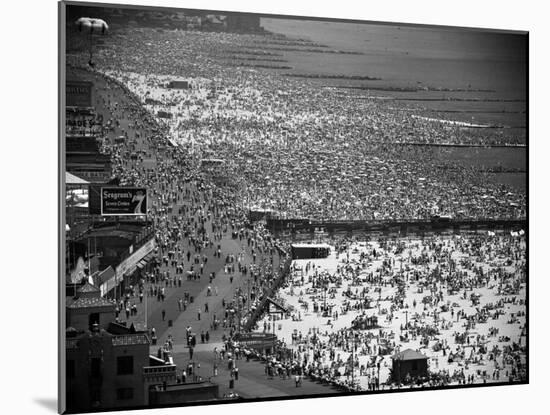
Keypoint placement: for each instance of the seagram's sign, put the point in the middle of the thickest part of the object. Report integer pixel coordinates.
(123, 201)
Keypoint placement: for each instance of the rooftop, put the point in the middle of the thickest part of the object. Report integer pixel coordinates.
(88, 288)
(90, 302)
(408, 354)
(310, 246)
(130, 339)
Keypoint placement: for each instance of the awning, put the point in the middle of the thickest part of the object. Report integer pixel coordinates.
(129, 271)
(143, 262)
(74, 180)
(148, 257)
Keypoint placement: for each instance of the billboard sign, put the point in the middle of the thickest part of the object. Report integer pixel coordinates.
(123, 201)
(79, 94)
(82, 123)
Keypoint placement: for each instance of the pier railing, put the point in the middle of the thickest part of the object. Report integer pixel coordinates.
(304, 226)
(257, 314)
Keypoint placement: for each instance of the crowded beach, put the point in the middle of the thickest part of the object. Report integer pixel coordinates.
(302, 151)
(458, 300)
(298, 149)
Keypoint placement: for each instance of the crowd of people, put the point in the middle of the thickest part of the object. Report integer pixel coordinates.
(299, 149)
(452, 298)
(309, 152)
(190, 216)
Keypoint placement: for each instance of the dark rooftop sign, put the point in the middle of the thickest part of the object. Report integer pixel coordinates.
(79, 94)
(123, 201)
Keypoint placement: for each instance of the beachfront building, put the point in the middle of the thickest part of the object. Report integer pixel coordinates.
(108, 364)
(85, 160)
(243, 23)
(307, 251)
(105, 370)
(179, 84)
(89, 311)
(409, 364)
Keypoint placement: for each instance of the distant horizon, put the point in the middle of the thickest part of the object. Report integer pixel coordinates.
(498, 60)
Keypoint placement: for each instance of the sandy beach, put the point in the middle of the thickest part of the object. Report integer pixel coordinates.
(486, 304)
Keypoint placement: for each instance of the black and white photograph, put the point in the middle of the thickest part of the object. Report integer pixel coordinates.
(262, 206)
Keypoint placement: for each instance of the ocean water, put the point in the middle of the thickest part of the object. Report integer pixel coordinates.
(489, 68)
(407, 55)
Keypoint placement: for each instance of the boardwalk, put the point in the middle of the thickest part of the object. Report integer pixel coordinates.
(252, 380)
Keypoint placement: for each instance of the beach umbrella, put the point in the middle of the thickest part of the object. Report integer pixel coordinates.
(92, 26)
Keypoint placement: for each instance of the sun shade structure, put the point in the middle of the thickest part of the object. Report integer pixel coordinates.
(92, 25)
(409, 364)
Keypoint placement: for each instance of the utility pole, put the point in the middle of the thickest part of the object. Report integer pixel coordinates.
(325, 286)
(353, 359)
(89, 261)
(274, 336)
(239, 314)
(248, 289)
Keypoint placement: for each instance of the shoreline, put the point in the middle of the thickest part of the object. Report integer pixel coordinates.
(419, 144)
